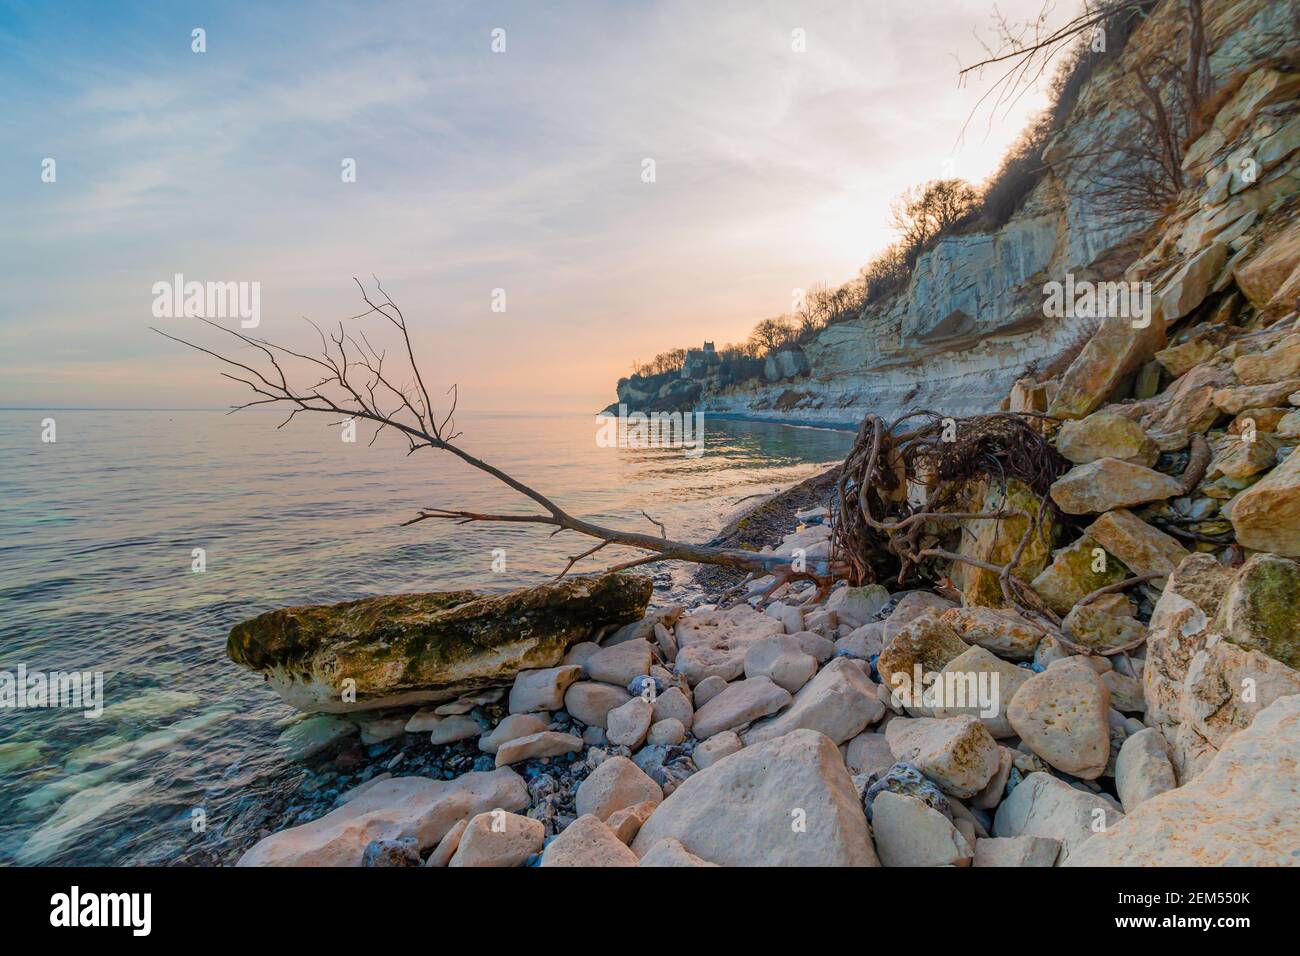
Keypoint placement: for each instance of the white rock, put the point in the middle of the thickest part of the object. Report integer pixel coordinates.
(957, 753)
(447, 846)
(391, 809)
(1046, 806)
(629, 723)
(542, 689)
(840, 702)
(591, 701)
(741, 811)
(1243, 809)
(666, 732)
(909, 833)
(1016, 851)
(708, 689)
(674, 704)
(782, 659)
(1062, 714)
(498, 838)
(616, 784)
(741, 703)
(450, 729)
(547, 743)
(588, 842)
(868, 753)
(670, 852)
(620, 663)
(975, 672)
(512, 728)
(1142, 769)
(710, 751)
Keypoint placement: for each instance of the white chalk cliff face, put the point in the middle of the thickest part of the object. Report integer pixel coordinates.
(971, 321)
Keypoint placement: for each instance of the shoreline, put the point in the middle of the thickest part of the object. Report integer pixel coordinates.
(329, 773)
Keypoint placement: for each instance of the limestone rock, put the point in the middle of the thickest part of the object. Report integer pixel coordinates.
(1074, 573)
(1115, 351)
(741, 703)
(970, 675)
(1143, 770)
(670, 852)
(739, 811)
(1279, 363)
(626, 823)
(666, 733)
(673, 704)
(925, 641)
(713, 643)
(708, 689)
(1095, 628)
(909, 833)
(1045, 806)
(1126, 694)
(450, 729)
(497, 838)
(588, 842)
(629, 723)
(1266, 516)
(392, 808)
(1062, 716)
(620, 663)
(542, 689)
(1242, 810)
(868, 753)
(1264, 276)
(1261, 609)
(1104, 434)
(512, 728)
(1109, 483)
(418, 648)
(1212, 705)
(1179, 626)
(781, 658)
(1234, 401)
(616, 784)
(858, 606)
(720, 745)
(591, 701)
(1001, 631)
(447, 846)
(995, 540)
(957, 753)
(1140, 547)
(1017, 851)
(839, 702)
(1190, 284)
(548, 743)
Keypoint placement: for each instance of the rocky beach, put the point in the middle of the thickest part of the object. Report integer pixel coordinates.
(1086, 658)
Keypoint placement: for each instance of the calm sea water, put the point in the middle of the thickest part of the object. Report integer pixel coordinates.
(97, 534)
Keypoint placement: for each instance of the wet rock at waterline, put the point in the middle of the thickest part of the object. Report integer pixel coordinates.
(418, 648)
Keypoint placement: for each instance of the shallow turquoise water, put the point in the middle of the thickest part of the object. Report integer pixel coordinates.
(97, 532)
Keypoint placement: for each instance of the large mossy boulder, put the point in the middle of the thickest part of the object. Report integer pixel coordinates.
(421, 648)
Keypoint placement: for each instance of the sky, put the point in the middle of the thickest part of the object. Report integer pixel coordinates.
(522, 170)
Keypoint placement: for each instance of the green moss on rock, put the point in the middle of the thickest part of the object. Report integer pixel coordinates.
(413, 647)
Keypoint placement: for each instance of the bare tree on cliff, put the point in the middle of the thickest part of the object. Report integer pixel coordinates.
(1139, 171)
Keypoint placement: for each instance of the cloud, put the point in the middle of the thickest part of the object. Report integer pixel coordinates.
(475, 171)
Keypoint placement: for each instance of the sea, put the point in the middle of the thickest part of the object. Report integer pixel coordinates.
(133, 541)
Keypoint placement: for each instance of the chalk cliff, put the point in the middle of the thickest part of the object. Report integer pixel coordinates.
(971, 321)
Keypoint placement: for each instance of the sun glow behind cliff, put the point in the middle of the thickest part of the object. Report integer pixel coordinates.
(474, 171)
